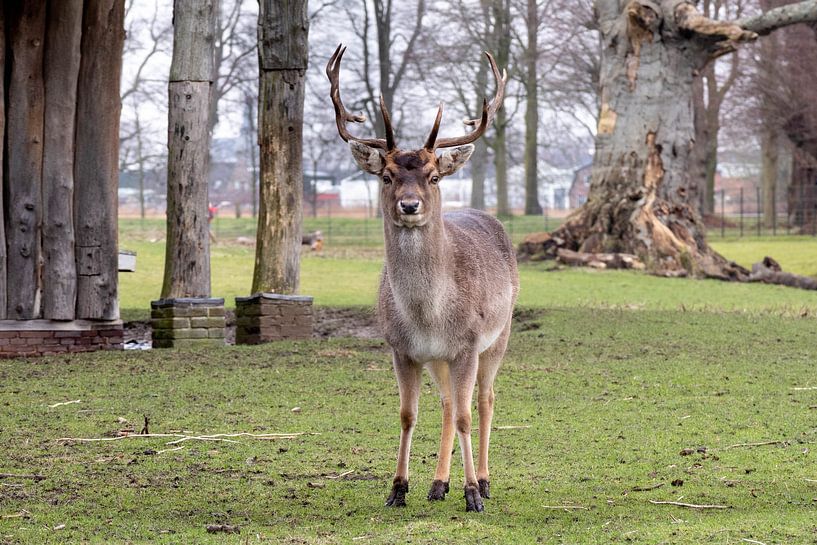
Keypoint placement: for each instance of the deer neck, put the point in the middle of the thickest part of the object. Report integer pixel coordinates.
(418, 266)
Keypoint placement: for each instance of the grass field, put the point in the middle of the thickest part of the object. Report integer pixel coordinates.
(618, 389)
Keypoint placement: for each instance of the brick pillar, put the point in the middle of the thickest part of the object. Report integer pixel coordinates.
(187, 322)
(266, 317)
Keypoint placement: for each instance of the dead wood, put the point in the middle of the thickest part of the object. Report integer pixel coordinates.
(769, 271)
(599, 260)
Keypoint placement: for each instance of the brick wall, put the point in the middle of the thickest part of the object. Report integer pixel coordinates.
(44, 337)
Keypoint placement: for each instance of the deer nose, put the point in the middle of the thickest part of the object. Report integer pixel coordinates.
(409, 207)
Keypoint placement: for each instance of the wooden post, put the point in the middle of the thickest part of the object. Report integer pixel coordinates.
(96, 160)
(25, 155)
(283, 30)
(62, 60)
(187, 255)
(2, 139)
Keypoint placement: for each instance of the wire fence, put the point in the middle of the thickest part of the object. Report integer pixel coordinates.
(739, 212)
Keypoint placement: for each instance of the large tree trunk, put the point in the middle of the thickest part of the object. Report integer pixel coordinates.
(639, 195)
(96, 162)
(3, 256)
(187, 254)
(283, 27)
(532, 206)
(24, 148)
(62, 60)
(769, 151)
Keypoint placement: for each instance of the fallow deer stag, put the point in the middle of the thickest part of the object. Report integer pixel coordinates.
(447, 291)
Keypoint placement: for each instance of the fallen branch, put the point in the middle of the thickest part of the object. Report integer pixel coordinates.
(565, 507)
(168, 450)
(746, 540)
(598, 261)
(804, 389)
(689, 505)
(761, 444)
(32, 476)
(769, 271)
(64, 403)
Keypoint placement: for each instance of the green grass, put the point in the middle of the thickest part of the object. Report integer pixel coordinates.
(608, 377)
(602, 402)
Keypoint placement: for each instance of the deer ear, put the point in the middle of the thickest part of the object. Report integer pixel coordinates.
(367, 158)
(453, 159)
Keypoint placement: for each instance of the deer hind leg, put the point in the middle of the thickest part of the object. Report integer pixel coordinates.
(489, 362)
(463, 379)
(408, 382)
(439, 487)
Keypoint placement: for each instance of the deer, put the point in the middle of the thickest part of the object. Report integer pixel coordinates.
(447, 291)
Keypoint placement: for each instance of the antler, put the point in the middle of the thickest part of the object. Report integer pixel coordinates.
(488, 113)
(342, 116)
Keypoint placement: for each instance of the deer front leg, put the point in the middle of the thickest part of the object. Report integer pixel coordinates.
(463, 378)
(439, 487)
(408, 381)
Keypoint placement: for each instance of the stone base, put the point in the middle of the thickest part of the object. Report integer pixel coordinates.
(187, 323)
(48, 337)
(266, 317)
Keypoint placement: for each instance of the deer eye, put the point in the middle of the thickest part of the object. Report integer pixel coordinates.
(435, 179)
(386, 180)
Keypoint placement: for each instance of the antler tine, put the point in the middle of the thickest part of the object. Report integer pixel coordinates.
(488, 110)
(387, 123)
(432, 137)
(341, 115)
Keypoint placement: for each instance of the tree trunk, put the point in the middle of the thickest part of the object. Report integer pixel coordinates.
(24, 148)
(769, 149)
(252, 135)
(283, 28)
(3, 256)
(638, 201)
(96, 169)
(479, 159)
(532, 206)
(62, 60)
(187, 254)
(502, 37)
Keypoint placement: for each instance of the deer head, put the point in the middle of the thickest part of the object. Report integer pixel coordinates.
(409, 194)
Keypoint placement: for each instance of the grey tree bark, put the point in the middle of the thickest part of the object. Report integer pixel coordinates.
(638, 201)
(62, 60)
(283, 54)
(187, 253)
(532, 206)
(96, 160)
(3, 256)
(24, 152)
(502, 38)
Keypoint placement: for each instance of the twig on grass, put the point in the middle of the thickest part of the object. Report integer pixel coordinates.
(64, 403)
(179, 438)
(169, 450)
(689, 505)
(498, 428)
(33, 476)
(804, 389)
(760, 444)
(566, 507)
(342, 475)
(647, 488)
(745, 540)
(21, 514)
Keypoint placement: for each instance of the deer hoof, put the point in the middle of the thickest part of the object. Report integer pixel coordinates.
(397, 498)
(473, 501)
(485, 488)
(438, 490)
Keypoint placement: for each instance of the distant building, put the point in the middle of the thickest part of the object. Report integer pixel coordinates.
(580, 187)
